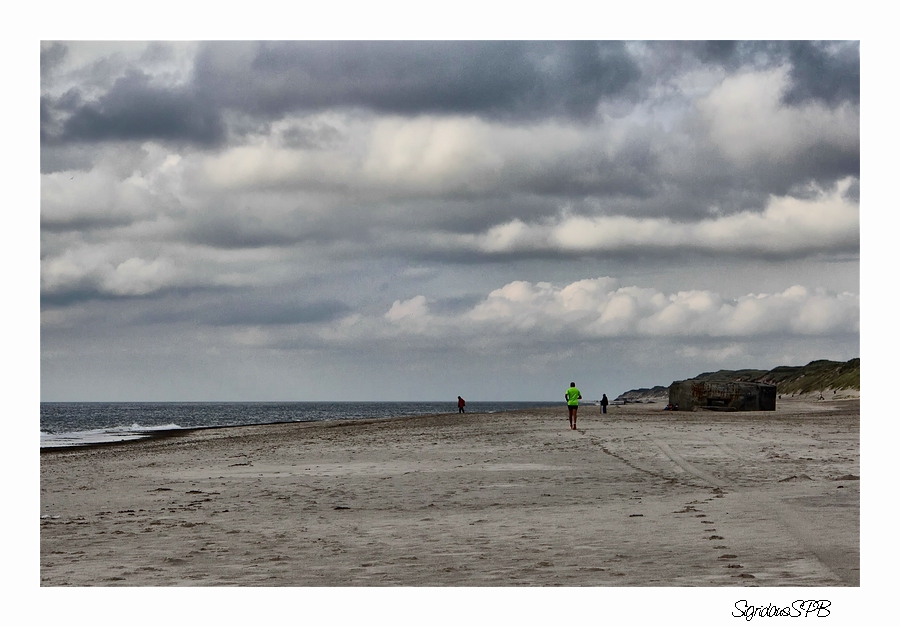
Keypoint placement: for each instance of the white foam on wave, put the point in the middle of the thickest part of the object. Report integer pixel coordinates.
(101, 436)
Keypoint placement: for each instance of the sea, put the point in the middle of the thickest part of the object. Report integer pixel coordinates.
(81, 424)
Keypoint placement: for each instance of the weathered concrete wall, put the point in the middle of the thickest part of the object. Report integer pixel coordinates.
(724, 395)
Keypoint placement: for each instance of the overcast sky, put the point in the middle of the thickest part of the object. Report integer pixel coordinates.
(418, 220)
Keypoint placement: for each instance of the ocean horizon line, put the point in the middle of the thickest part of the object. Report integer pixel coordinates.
(250, 402)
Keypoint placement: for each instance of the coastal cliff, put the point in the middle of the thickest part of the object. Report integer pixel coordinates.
(817, 376)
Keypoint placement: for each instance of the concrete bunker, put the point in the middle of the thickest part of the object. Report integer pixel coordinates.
(722, 395)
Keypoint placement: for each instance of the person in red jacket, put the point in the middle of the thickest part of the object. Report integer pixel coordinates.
(461, 403)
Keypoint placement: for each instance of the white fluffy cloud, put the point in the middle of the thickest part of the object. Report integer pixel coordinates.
(125, 269)
(748, 122)
(93, 269)
(125, 186)
(786, 226)
(401, 156)
(601, 308)
(532, 316)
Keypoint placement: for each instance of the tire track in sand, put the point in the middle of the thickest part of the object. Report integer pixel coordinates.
(686, 465)
(596, 441)
(677, 459)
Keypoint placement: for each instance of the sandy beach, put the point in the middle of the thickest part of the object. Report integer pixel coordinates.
(636, 497)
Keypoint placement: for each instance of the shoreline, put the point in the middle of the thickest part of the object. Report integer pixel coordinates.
(153, 434)
(505, 499)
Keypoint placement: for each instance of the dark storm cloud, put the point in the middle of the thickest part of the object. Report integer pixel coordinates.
(84, 223)
(736, 54)
(238, 232)
(72, 295)
(87, 290)
(722, 52)
(499, 79)
(824, 163)
(820, 73)
(134, 109)
(704, 180)
(512, 80)
(823, 71)
(496, 79)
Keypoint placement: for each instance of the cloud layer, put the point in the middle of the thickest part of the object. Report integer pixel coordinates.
(413, 195)
(598, 308)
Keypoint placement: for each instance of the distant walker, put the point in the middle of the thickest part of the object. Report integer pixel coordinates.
(461, 404)
(572, 396)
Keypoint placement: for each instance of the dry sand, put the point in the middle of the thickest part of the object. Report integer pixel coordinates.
(636, 497)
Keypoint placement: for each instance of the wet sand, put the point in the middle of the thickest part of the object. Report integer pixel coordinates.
(636, 497)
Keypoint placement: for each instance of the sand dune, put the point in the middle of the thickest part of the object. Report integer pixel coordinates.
(637, 497)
